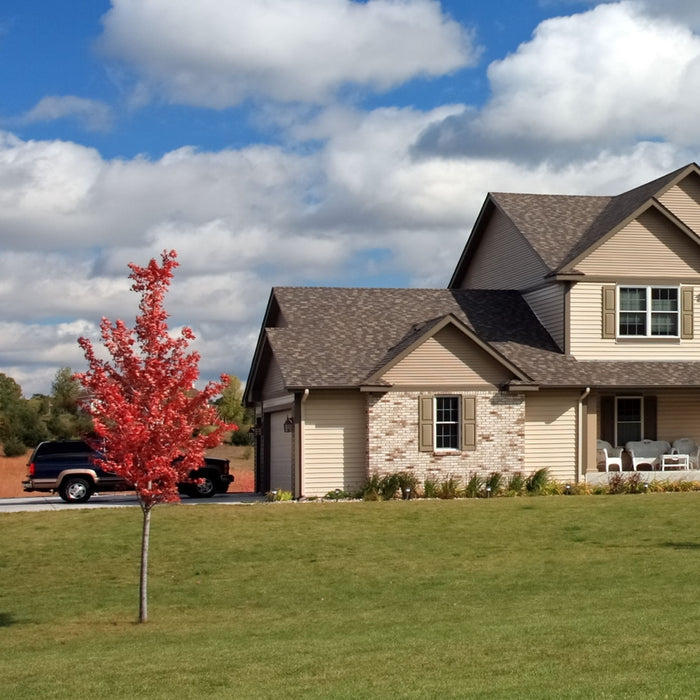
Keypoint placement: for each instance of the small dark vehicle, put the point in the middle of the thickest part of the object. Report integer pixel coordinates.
(72, 468)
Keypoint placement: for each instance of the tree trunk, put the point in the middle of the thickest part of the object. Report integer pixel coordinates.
(143, 588)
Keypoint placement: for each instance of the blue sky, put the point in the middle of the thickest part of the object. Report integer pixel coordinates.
(303, 142)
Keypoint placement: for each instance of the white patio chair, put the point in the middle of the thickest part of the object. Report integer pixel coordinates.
(687, 446)
(613, 455)
(647, 452)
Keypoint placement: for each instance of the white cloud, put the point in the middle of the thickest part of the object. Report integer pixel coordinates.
(603, 79)
(92, 114)
(216, 54)
(352, 198)
(684, 11)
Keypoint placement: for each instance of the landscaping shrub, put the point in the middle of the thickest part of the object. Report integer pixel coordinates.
(537, 481)
(407, 484)
(474, 487)
(449, 487)
(516, 484)
(431, 487)
(494, 484)
(278, 495)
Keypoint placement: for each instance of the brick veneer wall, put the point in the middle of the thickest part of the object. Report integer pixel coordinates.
(393, 436)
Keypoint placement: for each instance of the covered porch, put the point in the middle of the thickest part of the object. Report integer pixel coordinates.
(655, 433)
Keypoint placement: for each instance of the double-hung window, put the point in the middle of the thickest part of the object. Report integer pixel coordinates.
(447, 423)
(649, 312)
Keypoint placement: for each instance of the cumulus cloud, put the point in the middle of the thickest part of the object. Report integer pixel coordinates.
(595, 103)
(603, 79)
(685, 11)
(216, 54)
(92, 114)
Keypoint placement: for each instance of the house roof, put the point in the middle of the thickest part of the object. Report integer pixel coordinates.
(561, 228)
(328, 337)
(331, 337)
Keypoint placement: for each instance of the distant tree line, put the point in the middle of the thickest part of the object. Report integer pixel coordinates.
(24, 423)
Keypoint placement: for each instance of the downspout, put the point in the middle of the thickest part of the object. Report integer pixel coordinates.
(579, 455)
(300, 452)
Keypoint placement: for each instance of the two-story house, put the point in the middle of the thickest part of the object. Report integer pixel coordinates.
(568, 319)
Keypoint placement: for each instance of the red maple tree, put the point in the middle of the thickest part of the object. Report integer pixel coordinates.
(153, 426)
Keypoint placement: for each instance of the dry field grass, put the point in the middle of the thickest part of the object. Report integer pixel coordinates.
(14, 469)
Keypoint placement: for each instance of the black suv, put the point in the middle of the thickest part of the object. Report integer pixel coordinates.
(72, 468)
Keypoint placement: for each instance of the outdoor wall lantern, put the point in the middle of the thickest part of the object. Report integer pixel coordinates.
(289, 425)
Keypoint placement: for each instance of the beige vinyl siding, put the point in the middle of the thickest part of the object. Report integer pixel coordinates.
(449, 357)
(274, 382)
(650, 246)
(280, 453)
(548, 305)
(683, 200)
(334, 442)
(587, 342)
(550, 434)
(678, 416)
(503, 260)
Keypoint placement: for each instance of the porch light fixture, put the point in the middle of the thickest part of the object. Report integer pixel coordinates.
(289, 425)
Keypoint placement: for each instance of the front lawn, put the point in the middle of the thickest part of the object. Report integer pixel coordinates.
(547, 597)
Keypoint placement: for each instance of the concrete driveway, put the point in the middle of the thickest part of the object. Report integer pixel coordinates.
(108, 500)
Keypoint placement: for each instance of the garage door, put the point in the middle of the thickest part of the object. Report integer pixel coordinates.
(280, 453)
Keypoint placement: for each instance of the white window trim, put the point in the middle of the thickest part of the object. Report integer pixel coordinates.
(649, 313)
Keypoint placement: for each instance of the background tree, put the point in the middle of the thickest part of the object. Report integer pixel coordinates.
(231, 410)
(66, 418)
(22, 423)
(145, 409)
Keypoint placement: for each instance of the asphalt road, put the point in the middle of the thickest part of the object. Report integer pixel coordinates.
(109, 500)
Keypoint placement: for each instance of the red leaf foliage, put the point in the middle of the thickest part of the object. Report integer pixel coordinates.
(151, 422)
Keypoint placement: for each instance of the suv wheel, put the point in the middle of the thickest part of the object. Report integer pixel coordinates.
(75, 489)
(204, 488)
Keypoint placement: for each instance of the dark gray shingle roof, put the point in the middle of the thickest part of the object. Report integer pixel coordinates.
(337, 337)
(561, 227)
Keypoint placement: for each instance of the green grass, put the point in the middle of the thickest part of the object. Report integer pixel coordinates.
(560, 597)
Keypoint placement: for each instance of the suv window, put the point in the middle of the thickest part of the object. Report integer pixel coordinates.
(61, 448)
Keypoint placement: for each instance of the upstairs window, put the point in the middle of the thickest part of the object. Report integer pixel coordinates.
(649, 312)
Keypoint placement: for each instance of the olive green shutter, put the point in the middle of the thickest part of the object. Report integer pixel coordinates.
(425, 423)
(687, 313)
(468, 423)
(609, 330)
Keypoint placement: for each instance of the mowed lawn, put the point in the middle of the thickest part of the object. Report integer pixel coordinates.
(532, 597)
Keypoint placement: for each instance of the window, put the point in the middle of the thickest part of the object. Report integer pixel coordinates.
(648, 312)
(446, 423)
(628, 419)
(625, 418)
